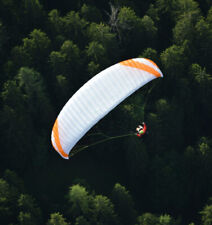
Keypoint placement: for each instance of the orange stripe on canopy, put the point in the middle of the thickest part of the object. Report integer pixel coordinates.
(141, 66)
(151, 62)
(57, 140)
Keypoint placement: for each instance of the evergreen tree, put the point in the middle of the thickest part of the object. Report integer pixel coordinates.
(124, 205)
(57, 219)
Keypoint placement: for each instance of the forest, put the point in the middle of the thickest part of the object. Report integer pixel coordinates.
(48, 50)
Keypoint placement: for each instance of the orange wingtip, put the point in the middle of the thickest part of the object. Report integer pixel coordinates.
(141, 66)
(57, 140)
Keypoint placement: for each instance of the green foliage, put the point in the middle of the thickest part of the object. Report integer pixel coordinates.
(150, 53)
(66, 61)
(63, 83)
(25, 95)
(167, 6)
(57, 219)
(104, 211)
(172, 61)
(71, 51)
(200, 76)
(149, 30)
(204, 40)
(13, 179)
(26, 203)
(26, 219)
(29, 212)
(95, 51)
(48, 50)
(150, 219)
(90, 13)
(8, 198)
(93, 68)
(202, 82)
(81, 221)
(96, 209)
(124, 205)
(134, 32)
(34, 13)
(187, 8)
(80, 201)
(184, 30)
(147, 219)
(55, 22)
(209, 16)
(34, 50)
(207, 215)
(34, 92)
(5, 199)
(153, 13)
(102, 39)
(127, 19)
(57, 61)
(166, 220)
(130, 27)
(74, 27)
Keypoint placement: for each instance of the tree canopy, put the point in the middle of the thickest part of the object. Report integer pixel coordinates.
(48, 50)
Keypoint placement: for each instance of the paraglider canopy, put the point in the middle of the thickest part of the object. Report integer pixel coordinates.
(98, 97)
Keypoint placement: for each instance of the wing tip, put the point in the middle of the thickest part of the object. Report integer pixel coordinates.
(149, 66)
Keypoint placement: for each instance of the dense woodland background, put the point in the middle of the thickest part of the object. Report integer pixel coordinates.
(48, 50)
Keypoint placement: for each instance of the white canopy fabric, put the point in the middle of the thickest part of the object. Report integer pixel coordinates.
(98, 97)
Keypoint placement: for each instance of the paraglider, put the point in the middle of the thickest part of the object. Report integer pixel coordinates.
(141, 130)
(98, 97)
